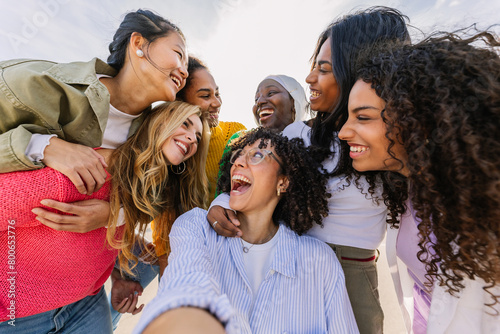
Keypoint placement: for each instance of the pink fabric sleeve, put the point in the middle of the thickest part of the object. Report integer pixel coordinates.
(20, 192)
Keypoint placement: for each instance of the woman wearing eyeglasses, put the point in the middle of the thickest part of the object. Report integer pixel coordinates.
(271, 280)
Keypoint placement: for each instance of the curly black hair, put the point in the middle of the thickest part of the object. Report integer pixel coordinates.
(305, 201)
(443, 104)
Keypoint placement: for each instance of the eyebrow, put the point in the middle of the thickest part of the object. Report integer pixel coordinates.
(321, 62)
(358, 109)
(203, 90)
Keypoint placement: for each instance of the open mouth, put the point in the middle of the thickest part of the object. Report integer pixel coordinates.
(358, 149)
(265, 114)
(240, 184)
(213, 114)
(176, 81)
(315, 94)
(183, 147)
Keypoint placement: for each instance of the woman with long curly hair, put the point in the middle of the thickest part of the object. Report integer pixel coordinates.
(356, 221)
(59, 275)
(429, 115)
(270, 280)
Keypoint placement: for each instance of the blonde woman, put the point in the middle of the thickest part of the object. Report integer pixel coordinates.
(156, 173)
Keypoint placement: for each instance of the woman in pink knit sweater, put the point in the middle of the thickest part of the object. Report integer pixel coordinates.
(52, 280)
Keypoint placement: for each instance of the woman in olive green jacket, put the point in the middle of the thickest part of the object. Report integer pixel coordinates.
(54, 114)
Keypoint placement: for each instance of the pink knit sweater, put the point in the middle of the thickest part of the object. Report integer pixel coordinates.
(42, 269)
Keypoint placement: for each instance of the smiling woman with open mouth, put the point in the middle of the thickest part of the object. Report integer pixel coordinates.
(272, 279)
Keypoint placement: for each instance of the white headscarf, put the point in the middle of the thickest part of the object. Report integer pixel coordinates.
(296, 91)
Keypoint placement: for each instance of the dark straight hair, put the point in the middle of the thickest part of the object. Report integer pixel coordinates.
(350, 36)
(194, 64)
(150, 25)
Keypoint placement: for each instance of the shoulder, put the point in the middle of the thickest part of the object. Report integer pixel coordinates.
(314, 249)
(194, 220)
(192, 215)
(230, 128)
(297, 129)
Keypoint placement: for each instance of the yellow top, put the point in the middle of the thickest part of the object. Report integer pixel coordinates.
(218, 140)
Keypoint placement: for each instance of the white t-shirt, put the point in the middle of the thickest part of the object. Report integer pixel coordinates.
(257, 261)
(115, 133)
(353, 218)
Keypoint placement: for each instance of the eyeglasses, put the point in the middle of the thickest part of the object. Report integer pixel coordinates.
(254, 156)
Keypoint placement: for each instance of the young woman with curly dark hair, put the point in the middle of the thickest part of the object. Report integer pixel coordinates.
(431, 113)
(271, 279)
(356, 221)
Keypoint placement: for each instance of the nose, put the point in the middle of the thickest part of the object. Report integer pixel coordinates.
(241, 161)
(311, 77)
(183, 70)
(191, 137)
(260, 100)
(346, 132)
(216, 102)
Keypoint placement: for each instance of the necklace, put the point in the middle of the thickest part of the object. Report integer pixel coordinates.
(247, 249)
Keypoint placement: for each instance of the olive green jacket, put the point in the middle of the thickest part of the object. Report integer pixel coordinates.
(48, 98)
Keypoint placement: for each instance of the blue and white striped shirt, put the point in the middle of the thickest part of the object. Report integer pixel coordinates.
(303, 290)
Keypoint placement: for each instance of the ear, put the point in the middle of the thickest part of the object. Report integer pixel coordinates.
(137, 42)
(283, 184)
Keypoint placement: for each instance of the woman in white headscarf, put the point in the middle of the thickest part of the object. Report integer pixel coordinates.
(279, 101)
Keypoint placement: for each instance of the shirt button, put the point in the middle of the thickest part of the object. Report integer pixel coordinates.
(272, 272)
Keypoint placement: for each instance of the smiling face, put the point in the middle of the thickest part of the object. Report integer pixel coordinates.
(254, 187)
(322, 84)
(274, 107)
(183, 144)
(365, 132)
(163, 66)
(204, 93)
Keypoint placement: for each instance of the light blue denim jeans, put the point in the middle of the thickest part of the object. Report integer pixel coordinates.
(88, 315)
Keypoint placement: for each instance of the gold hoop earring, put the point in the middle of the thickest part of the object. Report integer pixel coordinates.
(178, 170)
(279, 192)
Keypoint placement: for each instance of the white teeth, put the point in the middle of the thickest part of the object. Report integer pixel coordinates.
(241, 178)
(181, 145)
(315, 93)
(266, 112)
(176, 81)
(358, 149)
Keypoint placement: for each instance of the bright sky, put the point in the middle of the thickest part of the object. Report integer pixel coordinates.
(242, 41)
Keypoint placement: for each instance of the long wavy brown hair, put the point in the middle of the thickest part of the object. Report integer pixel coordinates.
(144, 185)
(443, 104)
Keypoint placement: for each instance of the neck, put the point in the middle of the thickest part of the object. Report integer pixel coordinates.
(126, 94)
(257, 228)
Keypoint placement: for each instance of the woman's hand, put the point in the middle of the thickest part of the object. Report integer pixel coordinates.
(86, 215)
(125, 294)
(81, 164)
(227, 221)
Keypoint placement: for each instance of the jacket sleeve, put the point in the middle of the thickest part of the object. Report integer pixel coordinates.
(36, 98)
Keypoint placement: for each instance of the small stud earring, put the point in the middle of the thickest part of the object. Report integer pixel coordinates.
(139, 53)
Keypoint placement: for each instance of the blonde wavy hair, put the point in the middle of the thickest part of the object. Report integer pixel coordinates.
(146, 188)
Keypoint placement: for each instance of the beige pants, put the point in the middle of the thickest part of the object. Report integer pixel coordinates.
(362, 287)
